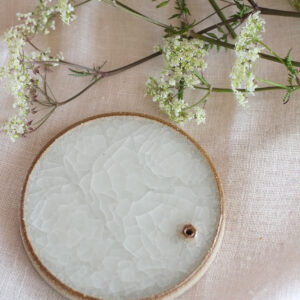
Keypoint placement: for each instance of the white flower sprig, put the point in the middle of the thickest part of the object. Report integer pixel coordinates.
(183, 50)
(15, 127)
(66, 10)
(21, 72)
(183, 59)
(247, 50)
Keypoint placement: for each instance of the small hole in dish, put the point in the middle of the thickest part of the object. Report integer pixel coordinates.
(189, 231)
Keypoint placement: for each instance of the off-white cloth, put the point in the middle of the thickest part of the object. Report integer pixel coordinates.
(255, 150)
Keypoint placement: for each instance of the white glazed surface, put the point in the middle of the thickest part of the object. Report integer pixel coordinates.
(105, 205)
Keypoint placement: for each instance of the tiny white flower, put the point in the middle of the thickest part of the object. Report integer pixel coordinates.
(200, 115)
(172, 82)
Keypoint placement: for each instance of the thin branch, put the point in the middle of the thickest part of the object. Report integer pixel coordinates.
(81, 3)
(45, 82)
(32, 45)
(253, 4)
(49, 103)
(64, 62)
(228, 2)
(272, 82)
(48, 86)
(231, 46)
(54, 61)
(131, 11)
(102, 73)
(110, 73)
(262, 89)
(228, 21)
(131, 65)
(212, 14)
(222, 17)
(200, 101)
(81, 92)
(276, 12)
(43, 119)
(263, 10)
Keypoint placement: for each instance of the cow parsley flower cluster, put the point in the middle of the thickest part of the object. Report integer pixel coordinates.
(21, 71)
(66, 10)
(15, 127)
(247, 52)
(199, 115)
(183, 59)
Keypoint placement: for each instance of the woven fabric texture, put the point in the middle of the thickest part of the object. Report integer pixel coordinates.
(255, 150)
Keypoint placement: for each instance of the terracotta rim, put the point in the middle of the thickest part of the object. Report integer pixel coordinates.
(168, 294)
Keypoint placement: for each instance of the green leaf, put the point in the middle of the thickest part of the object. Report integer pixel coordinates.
(224, 39)
(212, 35)
(242, 9)
(185, 29)
(288, 63)
(187, 11)
(79, 73)
(162, 4)
(238, 4)
(290, 79)
(174, 16)
(287, 97)
(98, 68)
(219, 28)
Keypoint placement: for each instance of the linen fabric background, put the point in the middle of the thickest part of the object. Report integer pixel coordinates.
(255, 150)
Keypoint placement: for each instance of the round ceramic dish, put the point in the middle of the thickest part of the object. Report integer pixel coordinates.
(122, 206)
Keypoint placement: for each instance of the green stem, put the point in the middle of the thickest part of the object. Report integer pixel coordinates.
(212, 14)
(228, 21)
(44, 103)
(262, 89)
(277, 12)
(129, 66)
(104, 73)
(49, 103)
(202, 79)
(64, 62)
(49, 88)
(271, 51)
(81, 92)
(263, 10)
(43, 119)
(222, 17)
(231, 46)
(200, 101)
(271, 83)
(134, 12)
(82, 3)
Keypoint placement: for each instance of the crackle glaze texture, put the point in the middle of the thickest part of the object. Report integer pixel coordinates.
(105, 205)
